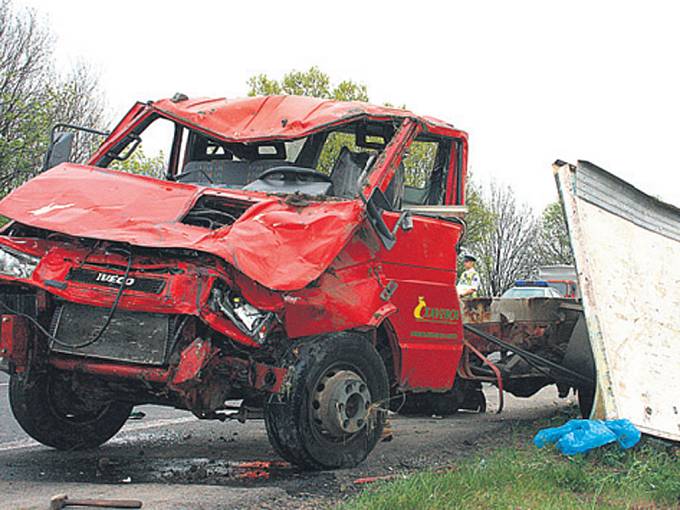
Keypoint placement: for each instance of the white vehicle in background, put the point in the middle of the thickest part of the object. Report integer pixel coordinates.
(524, 289)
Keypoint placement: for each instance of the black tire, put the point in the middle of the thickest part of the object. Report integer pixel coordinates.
(586, 399)
(296, 432)
(44, 417)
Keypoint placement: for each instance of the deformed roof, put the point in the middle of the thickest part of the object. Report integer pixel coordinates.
(263, 117)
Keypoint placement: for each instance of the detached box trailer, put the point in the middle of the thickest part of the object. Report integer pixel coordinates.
(627, 250)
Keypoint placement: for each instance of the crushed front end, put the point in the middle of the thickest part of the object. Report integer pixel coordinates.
(163, 326)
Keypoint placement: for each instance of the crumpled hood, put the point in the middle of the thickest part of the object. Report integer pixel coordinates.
(280, 246)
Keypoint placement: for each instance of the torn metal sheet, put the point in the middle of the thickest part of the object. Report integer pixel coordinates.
(106, 204)
(627, 245)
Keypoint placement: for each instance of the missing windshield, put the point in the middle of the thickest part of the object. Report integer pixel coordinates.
(329, 163)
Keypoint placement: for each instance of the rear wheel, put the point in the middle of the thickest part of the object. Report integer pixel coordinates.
(586, 398)
(330, 413)
(52, 414)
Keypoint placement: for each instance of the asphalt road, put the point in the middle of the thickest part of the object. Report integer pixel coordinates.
(170, 460)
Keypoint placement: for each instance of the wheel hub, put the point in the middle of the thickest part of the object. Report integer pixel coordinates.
(341, 403)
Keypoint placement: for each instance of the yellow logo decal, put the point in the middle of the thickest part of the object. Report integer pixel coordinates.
(424, 313)
(418, 310)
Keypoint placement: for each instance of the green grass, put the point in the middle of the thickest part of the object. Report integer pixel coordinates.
(517, 475)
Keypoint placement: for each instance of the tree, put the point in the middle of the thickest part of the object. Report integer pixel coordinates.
(553, 245)
(505, 245)
(78, 100)
(33, 96)
(312, 83)
(140, 163)
(478, 220)
(316, 83)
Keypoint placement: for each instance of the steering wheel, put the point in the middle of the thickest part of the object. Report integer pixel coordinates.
(292, 174)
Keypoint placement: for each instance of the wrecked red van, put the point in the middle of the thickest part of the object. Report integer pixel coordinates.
(299, 255)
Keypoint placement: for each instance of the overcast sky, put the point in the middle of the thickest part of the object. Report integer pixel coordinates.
(529, 81)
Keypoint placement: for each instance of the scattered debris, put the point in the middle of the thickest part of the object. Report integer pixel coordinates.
(137, 415)
(373, 479)
(263, 464)
(62, 501)
(258, 469)
(387, 434)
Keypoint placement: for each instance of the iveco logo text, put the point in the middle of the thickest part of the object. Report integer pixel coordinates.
(114, 278)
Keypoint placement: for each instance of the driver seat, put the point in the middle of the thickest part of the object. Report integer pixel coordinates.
(346, 172)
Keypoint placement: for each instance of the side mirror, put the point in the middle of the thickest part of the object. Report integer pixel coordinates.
(61, 143)
(59, 150)
(375, 206)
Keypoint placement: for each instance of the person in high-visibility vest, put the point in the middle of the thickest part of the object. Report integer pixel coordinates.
(469, 281)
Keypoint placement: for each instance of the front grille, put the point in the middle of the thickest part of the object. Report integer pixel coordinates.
(151, 285)
(18, 300)
(134, 337)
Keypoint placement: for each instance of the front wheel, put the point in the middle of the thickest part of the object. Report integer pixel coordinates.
(54, 415)
(330, 412)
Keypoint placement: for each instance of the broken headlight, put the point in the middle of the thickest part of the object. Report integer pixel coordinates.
(17, 264)
(250, 320)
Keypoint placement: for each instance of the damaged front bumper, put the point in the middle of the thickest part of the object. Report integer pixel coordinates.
(171, 283)
(176, 325)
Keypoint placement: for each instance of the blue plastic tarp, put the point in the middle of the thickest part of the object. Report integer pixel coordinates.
(578, 436)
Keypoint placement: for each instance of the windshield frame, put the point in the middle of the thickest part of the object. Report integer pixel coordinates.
(141, 116)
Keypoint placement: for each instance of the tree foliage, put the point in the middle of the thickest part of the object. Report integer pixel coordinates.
(33, 96)
(509, 241)
(505, 243)
(316, 83)
(312, 83)
(478, 220)
(140, 163)
(553, 245)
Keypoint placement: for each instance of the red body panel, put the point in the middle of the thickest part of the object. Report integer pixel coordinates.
(430, 335)
(14, 337)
